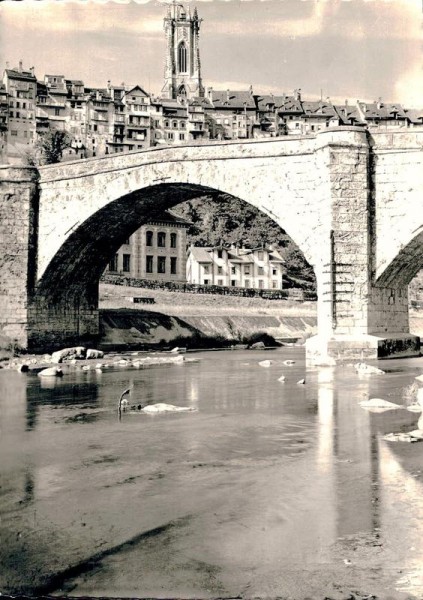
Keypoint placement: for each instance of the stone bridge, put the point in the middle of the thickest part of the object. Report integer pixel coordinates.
(350, 200)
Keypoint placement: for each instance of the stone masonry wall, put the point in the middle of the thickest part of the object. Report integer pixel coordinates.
(18, 215)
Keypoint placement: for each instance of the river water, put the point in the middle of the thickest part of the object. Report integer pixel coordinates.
(268, 489)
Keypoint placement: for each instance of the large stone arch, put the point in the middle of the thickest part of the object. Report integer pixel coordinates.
(66, 295)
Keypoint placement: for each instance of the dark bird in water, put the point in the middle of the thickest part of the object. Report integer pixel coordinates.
(122, 401)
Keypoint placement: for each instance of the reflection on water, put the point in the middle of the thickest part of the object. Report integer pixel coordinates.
(266, 479)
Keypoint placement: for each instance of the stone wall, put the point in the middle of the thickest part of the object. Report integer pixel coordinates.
(18, 224)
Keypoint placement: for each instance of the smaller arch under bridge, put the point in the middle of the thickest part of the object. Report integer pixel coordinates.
(351, 201)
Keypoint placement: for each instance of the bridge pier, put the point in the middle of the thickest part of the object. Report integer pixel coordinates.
(18, 249)
(356, 319)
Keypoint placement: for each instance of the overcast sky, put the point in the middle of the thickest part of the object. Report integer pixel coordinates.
(340, 48)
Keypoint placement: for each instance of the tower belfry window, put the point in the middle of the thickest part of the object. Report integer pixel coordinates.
(182, 58)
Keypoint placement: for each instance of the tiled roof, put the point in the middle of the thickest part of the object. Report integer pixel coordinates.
(170, 217)
(414, 115)
(232, 99)
(282, 103)
(200, 254)
(349, 114)
(136, 87)
(16, 74)
(318, 108)
(377, 110)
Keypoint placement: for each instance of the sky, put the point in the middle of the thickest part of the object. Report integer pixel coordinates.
(342, 49)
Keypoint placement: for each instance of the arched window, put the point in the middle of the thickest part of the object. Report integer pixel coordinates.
(161, 239)
(182, 58)
(182, 91)
(173, 240)
(149, 238)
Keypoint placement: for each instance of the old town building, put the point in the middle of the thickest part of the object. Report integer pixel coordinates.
(21, 90)
(256, 268)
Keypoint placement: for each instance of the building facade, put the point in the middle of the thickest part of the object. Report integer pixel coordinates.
(121, 118)
(156, 251)
(255, 268)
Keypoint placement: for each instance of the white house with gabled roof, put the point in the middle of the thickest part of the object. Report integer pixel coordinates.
(254, 268)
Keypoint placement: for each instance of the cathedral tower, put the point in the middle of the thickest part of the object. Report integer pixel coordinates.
(182, 69)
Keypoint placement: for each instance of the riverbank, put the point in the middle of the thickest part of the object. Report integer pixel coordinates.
(196, 320)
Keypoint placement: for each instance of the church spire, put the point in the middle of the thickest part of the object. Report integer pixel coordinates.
(182, 65)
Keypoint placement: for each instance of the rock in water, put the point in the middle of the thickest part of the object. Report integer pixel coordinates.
(301, 381)
(282, 378)
(289, 362)
(51, 372)
(161, 407)
(68, 354)
(266, 363)
(368, 369)
(379, 405)
(91, 353)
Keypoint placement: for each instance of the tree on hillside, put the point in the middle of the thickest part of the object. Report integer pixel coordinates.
(223, 218)
(50, 146)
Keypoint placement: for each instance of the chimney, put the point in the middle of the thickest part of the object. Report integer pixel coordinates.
(32, 69)
(227, 95)
(346, 101)
(20, 66)
(379, 103)
(297, 94)
(210, 94)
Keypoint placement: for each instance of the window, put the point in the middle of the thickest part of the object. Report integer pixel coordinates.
(161, 264)
(182, 124)
(233, 270)
(220, 270)
(173, 265)
(166, 123)
(170, 136)
(260, 255)
(13, 132)
(173, 240)
(206, 269)
(127, 241)
(247, 269)
(113, 264)
(233, 282)
(261, 284)
(182, 58)
(148, 238)
(182, 136)
(219, 253)
(260, 271)
(149, 264)
(175, 124)
(274, 284)
(161, 240)
(274, 272)
(220, 282)
(247, 283)
(56, 112)
(206, 281)
(126, 262)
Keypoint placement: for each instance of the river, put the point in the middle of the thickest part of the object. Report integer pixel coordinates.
(268, 489)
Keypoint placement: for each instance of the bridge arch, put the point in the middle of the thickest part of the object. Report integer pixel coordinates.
(406, 264)
(66, 293)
